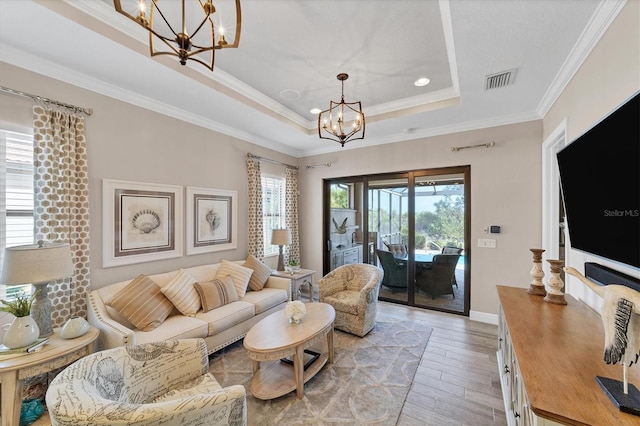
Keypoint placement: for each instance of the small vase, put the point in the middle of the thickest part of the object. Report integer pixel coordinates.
(74, 327)
(23, 331)
(293, 320)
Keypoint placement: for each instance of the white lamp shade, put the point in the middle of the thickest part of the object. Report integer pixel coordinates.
(281, 237)
(33, 264)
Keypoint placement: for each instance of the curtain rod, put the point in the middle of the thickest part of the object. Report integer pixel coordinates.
(271, 161)
(486, 145)
(87, 111)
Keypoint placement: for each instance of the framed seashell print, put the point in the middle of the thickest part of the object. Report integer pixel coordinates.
(211, 220)
(142, 222)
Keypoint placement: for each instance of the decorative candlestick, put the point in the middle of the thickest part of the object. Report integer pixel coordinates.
(555, 294)
(536, 286)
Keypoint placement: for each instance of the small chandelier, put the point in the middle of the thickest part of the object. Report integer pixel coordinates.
(343, 121)
(185, 43)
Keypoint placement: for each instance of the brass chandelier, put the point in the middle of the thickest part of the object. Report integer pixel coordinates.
(187, 43)
(343, 121)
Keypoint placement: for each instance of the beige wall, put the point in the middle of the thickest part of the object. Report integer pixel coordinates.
(131, 143)
(608, 77)
(505, 191)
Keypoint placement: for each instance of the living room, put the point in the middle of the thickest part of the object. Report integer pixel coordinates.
(510, 181)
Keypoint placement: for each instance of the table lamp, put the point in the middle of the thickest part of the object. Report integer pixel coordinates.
(38, 264)
(280, 237)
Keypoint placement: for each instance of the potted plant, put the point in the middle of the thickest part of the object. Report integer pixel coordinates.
(23, 331)
(294, 264)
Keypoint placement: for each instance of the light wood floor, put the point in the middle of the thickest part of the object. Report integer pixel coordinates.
(457, 381)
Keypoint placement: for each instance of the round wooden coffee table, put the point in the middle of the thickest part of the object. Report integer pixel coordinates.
(273, 339)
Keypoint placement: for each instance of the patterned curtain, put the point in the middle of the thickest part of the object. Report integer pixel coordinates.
(61, 203)
(255, 231)
(291, 212)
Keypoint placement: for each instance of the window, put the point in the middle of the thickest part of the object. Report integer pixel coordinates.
(273, 194)
(16, 195)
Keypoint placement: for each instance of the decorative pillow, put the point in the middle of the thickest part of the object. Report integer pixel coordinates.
(142, 303)
(182, 293)
(216, 293)
(260, 274)
(238, 273)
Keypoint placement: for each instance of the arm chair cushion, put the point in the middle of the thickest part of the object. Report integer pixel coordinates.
(125, 386)
(353, 292)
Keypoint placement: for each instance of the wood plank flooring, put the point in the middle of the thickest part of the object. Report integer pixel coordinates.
(457, 381)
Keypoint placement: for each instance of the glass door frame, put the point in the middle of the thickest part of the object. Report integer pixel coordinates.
(410, 176)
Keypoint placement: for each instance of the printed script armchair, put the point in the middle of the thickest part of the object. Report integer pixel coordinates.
(352, 290)
(149, 384)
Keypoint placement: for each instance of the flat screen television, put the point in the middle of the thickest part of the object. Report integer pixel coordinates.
(600, 181)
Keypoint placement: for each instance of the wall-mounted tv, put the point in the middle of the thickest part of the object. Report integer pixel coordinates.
(600, 181)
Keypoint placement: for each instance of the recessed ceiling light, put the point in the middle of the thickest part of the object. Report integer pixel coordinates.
(289, 94)
(315, 111)
(423, 81)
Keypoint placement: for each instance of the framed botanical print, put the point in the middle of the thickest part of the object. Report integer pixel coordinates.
(142, 222)
(211, 220)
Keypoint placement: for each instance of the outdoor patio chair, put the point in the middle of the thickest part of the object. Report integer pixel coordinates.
(437, 279)
(452, 250)
(395, 271)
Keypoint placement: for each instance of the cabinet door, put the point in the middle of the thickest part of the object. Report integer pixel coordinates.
(350, 256)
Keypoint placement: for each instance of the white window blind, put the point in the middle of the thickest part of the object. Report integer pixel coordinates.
(273, 209)
(16, 196)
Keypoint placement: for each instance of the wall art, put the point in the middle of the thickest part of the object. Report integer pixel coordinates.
(211, 220)
(142, 222)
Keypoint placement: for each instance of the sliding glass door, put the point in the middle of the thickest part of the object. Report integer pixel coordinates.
(412, 225)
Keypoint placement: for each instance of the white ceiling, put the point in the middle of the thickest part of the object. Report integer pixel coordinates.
(302, 45)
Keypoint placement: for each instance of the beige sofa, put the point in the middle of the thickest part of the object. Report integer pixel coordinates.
(219, 327)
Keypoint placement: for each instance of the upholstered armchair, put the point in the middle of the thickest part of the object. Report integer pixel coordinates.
(352, 290)
(149, 384)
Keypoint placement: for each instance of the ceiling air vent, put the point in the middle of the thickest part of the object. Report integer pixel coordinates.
(500, 79)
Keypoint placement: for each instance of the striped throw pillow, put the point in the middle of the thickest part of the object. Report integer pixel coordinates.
(182, 293)
(215, 293)
(142, 303)
(238, 273)
(260, 274)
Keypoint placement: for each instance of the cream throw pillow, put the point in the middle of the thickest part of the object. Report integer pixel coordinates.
(238, 273)
(216, 293)
(261, 273)
(142, 303)
(182, 293)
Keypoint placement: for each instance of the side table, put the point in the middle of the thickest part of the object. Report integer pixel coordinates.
(304, 277)
(55, 354)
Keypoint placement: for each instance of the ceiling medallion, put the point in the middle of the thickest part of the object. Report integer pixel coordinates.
(343, 121)
(186, 43)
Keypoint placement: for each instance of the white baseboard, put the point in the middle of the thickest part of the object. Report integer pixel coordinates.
(483, 317)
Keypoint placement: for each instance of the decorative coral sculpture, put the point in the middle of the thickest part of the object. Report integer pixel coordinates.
(295, 311)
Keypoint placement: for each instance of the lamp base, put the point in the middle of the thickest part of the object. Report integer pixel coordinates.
(280, 260)
(41, 309)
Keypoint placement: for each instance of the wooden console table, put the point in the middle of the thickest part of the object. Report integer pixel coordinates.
(548, 357)
(55, 354)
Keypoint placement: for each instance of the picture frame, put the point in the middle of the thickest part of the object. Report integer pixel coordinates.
(211, 220)
(142, 222)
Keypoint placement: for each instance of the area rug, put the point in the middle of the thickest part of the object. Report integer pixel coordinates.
(366, 385)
